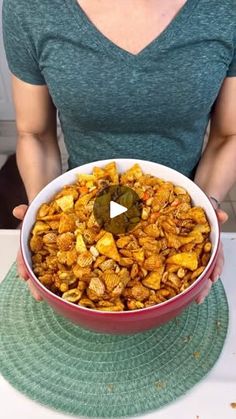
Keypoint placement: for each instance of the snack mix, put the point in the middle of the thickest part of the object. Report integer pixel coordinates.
(79, 261)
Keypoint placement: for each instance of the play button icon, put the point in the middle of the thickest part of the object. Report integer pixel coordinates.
(117, 209)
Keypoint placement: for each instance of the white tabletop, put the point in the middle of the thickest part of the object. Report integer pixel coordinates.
(210, 399)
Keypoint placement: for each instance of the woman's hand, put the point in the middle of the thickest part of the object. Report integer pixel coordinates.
(222, 217)
(19, 213)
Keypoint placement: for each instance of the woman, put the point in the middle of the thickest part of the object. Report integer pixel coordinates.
(129, 78)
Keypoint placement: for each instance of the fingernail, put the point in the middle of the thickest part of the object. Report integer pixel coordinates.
(23, 278)
(200, 300)
(215, 279)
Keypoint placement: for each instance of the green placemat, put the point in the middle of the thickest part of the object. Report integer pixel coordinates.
(83, 373)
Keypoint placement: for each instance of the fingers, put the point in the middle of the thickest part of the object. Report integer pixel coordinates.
(214, 276)
(21, 266)
(222, 216)
(19, 211)
(34, 291)
(219, 265)
(204, 293)
(23, 273)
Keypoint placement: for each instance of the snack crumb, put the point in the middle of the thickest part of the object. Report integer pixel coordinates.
(187, 339)
(218, 326)
(196, 355)
(160, 384)
(233, 405)
(110, 387)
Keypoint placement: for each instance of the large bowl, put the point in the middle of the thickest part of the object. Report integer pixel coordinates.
(129, 321)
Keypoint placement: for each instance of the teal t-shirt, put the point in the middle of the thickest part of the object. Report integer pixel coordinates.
(154, 105)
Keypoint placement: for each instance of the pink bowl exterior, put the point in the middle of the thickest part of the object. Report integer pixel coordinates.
(122, 322)
(125, 322)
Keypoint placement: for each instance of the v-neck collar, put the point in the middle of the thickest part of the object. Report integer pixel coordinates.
(176, 24)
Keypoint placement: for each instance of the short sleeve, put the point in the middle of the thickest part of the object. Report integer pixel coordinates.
(20, 54)
(232, 68)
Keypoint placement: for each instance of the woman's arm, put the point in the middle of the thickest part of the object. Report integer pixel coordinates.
(37, 152)
(216, 172)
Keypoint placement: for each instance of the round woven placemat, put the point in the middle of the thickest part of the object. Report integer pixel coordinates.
(83, 373)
